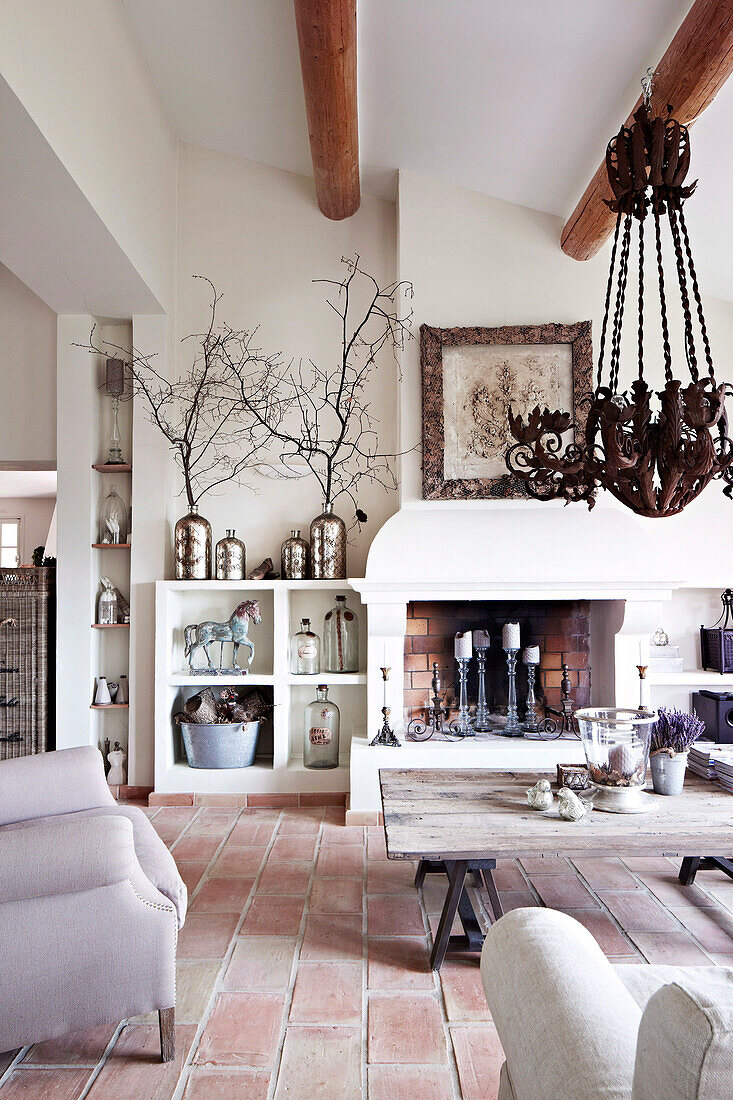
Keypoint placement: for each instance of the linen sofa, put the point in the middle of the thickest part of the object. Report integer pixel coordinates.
(574, 1026)
(90, 903)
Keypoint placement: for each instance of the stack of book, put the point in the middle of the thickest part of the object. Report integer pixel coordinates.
(724, 770)
(712, 762)
(665, 659)
(701, 760)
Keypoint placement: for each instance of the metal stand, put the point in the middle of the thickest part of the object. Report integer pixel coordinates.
(462, 725)
(458, 900)
(482, 723)
(692, 864)
(565, 713)
(512, 727)
(386, 735)
(419, 730)
(531, 719)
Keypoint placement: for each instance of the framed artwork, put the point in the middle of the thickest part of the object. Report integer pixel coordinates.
(471, 377)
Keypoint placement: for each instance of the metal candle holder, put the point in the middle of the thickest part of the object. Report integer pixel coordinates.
(462, 725)
(386, 735)
(512, 727)
(531, 718)
(482, 722)
(421, 730)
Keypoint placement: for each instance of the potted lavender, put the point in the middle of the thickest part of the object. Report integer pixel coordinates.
(673, 734)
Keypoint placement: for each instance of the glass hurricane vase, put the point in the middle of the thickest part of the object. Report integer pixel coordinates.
(616, 743)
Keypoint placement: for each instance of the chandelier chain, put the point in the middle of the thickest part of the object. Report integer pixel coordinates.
(696, 293)
(618, 316)
(609, 288)
(663, 302)
(641, 298)
(684, 296)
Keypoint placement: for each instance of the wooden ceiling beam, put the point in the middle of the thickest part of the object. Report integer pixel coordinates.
(327, 41)
(694, 68)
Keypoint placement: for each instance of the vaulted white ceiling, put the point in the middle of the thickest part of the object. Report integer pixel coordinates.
(514, 99)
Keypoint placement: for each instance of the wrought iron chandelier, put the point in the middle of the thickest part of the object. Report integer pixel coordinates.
(655, 464)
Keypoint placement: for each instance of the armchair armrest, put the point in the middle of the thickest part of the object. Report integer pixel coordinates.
(64, 857)
(565, 1019)
(685, 1044)
(51, 783)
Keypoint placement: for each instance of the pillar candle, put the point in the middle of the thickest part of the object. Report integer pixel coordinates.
(510, 636)
(462, 646)
(531, 655)
(481, 639)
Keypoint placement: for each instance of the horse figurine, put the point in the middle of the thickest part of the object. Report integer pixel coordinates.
(234, 630)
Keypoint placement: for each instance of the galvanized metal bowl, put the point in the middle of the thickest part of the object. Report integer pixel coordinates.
(220, 744)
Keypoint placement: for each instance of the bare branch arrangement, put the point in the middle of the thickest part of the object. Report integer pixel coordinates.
(319, 414)
(197, 413)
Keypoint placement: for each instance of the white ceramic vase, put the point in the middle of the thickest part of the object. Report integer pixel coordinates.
(102, 697)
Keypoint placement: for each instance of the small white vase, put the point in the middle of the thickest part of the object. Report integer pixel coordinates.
(102, 697)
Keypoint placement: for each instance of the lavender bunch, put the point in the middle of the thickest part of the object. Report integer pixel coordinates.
(675, 730)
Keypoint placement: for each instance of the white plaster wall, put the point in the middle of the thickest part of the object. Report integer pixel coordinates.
(28, 374)
(35, 514)
(258, 234)
(78, 70)
(78, 570)
(476, 260)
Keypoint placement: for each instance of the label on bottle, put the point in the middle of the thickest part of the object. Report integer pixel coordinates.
(320, 735)
(307, 649)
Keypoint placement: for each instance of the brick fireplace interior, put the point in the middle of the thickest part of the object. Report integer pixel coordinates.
(561, 628)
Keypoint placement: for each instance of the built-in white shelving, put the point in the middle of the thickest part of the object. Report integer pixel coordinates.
(279, 763)
(692, 677)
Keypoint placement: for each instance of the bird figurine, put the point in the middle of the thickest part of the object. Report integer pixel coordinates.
(540, 796)
(570, 806)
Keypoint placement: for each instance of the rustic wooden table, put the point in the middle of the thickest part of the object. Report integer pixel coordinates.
(464, 821)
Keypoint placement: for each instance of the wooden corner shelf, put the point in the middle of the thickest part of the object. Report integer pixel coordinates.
(110, 706)
(120, 468)
(110, 626)
(111, 546)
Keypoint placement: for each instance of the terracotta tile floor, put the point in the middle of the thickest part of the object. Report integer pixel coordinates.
(304, 967)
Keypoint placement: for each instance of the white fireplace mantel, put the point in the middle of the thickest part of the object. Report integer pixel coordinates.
(459, 551)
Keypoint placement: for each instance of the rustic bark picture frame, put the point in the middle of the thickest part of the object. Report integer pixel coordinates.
(438, 486)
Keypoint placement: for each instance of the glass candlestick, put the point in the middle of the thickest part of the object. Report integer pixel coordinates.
(531, 718)
(462, 725)
(512, 727)
(482, 723)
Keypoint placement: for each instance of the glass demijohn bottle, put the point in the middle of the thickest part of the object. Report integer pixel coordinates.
(305, 651)
(322, 724)
(340, 639)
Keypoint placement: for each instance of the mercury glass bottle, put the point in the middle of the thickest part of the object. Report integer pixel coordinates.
(340, 639)
(113, 519)
(107, 606)
(192, 543)
(294, 558)
(231, 558)
(322, 725)
(328, 546)
(305, 651)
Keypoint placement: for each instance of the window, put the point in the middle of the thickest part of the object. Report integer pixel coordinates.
(9, 543)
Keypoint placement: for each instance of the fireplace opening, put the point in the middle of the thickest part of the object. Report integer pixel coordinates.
(561, 629)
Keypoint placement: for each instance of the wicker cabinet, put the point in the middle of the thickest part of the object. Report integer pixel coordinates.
(27, 661)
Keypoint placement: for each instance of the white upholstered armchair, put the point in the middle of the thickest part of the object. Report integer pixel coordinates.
(574, 1026)
(90, 904)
